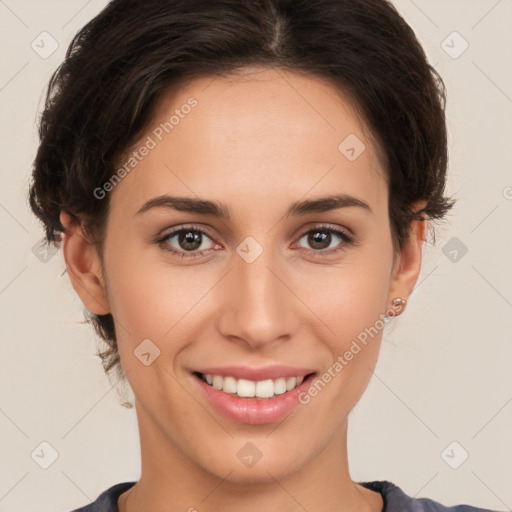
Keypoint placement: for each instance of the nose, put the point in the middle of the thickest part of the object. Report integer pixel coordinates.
(257, 304)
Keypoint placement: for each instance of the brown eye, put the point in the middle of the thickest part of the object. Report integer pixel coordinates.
(186, 242)
(322, 238)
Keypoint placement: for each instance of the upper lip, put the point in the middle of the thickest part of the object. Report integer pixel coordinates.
(256, 373)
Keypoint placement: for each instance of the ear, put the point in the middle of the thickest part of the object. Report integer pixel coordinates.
(83, 265)
(407, 265)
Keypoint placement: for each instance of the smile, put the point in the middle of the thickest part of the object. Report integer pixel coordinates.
(253, 396)
(244, 388)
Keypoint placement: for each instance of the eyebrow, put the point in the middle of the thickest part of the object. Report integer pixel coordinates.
(220, 210)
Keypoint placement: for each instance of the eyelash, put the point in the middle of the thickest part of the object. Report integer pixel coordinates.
(345, 237)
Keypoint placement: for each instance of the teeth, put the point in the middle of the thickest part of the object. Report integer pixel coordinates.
(265, 388)
(245, 388)
(249, 389)
(280, 386)
(217, 382)
(291, 382)
(229, 385)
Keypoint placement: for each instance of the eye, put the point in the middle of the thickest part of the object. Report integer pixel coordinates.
(187, 240)
(321, 238)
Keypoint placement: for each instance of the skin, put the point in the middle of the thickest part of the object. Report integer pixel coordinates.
(256, 143)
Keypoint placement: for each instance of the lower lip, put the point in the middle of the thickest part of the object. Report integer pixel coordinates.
(253, 411)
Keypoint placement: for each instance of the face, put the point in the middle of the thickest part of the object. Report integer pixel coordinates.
(264, 292)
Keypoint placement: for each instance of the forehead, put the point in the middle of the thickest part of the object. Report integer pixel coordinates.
(257, 135)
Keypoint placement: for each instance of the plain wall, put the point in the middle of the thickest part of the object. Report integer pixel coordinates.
(444, 368)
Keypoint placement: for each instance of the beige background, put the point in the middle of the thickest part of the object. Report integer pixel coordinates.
(444, 369)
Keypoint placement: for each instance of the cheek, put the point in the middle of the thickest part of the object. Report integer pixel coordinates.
(350, 302)
(355, 320)
(351, 297)
(153, 300)
(147, 298)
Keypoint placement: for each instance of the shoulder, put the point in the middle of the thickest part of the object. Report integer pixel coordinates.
(107, 500)
(396, 500)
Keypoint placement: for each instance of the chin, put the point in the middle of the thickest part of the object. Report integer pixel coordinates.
(253, 460)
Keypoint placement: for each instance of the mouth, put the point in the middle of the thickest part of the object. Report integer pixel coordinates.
(257, 390)
(268, 397)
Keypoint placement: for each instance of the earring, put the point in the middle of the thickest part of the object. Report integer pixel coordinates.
(398, 302)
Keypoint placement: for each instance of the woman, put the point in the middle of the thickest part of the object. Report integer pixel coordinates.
(242, 191)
